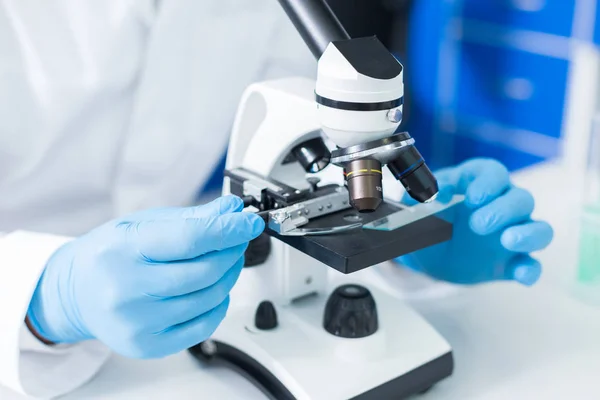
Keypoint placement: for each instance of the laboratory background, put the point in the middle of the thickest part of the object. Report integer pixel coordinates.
(513, 80)
(506, 77)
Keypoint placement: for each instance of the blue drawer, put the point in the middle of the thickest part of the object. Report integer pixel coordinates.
(512, 88)
(597, 25)
(548, 16)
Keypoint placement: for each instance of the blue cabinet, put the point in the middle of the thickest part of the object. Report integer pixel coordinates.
(597, 25)
(508, 88)
(512, 88)
(547, 16)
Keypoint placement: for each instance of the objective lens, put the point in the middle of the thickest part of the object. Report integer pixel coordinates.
(364, 184)
(313, 155)
(410, 169)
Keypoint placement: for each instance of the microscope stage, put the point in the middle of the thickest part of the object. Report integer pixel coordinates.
(360, 248)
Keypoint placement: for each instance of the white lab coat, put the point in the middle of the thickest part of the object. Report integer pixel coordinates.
(109, 106)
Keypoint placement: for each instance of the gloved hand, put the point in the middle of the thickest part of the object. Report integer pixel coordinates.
(493, 231)
(149, 285)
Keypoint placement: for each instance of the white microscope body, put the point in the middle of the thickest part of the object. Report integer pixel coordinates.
(298, 358)
(295, 326)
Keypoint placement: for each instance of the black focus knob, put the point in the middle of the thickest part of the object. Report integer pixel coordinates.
(258, 251)
(351, 312)
(266, 317)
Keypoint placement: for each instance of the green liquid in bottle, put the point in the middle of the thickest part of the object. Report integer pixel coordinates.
(589, 246)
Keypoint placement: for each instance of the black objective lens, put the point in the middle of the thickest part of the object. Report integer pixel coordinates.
(364, 184)
(313, 155)
(410, 169)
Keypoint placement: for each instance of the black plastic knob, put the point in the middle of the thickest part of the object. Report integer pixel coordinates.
(351, 312)
(258, 251)
(266, 317)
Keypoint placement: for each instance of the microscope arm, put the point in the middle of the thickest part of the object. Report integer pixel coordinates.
(316, 23)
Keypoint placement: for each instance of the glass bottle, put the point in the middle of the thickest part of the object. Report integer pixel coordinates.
(588, 269)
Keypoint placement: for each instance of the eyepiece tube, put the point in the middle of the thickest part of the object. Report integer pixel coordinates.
(416, 177)
(316, 23)
(364, 179)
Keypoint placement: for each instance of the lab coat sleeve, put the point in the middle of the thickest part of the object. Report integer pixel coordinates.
(28, 366)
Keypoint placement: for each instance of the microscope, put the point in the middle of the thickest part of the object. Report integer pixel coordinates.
(309, 158)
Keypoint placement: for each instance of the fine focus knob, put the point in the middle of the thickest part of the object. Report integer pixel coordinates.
(266, 317)
(351, 312)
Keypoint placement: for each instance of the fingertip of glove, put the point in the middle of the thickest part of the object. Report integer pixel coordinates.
(524, 270)
(241, 227)
(475, 197)
(481, 223)
(527, 275)
(526, 238)
(510, 240)
(408, 201)
(258, 224)
(231, 203)
(445, 194)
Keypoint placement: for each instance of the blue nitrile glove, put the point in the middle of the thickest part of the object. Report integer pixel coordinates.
(493, 231)
(149, 285)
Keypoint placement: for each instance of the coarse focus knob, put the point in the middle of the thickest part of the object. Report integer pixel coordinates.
(351, 312)
(258, 251)
(266, 317)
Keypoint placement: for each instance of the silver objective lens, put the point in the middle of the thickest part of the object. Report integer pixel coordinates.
(364, 178)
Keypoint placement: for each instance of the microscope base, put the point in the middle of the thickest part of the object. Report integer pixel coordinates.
(299, 359)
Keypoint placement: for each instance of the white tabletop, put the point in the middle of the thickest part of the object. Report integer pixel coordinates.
(510, 342)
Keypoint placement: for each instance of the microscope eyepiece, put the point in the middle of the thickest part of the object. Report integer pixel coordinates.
(313, 155)
(416, 177)
(364, 184)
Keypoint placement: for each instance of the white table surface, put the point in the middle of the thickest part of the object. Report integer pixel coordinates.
(509, 342)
